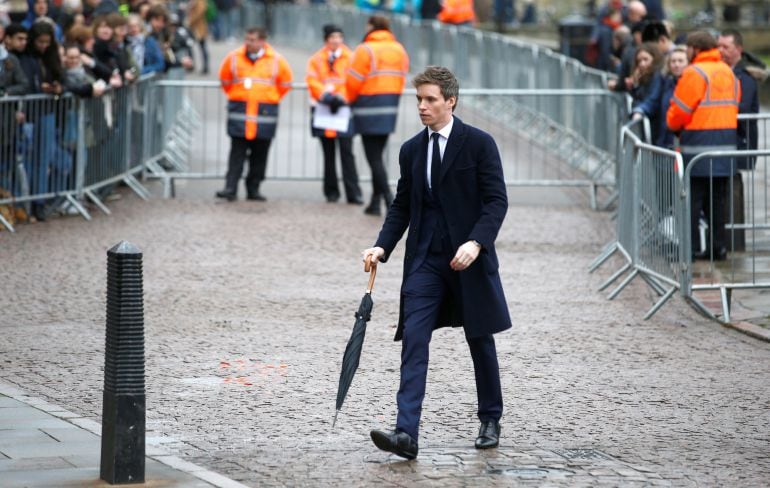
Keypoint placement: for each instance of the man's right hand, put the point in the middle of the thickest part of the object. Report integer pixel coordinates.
(373, 254)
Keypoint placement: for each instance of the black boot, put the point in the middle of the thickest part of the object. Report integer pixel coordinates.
(374, 206)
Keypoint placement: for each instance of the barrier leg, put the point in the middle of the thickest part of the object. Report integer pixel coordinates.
(608, 251)
(80, 208)
(169, 190)
(6, 224)
(727, 295)
(660, 302)
(615, 276)
(625, 283)
(138, 188)
(654, 284)
(96, 201)
(612, 199)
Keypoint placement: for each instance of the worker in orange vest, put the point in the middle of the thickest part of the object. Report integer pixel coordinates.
(374, 85)
(458, 12)
(325, 78)
(255, 78)
(704, 108)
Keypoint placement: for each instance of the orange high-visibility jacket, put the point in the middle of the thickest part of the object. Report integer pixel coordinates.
(375, 82)
(705, 108)
(253, 90)
(457, 12)
(323, 76)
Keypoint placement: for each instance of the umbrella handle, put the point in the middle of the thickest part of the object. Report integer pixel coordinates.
(371, 268)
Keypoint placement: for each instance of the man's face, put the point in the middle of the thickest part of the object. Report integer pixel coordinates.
(253, 43)
(17, 42)
(334, 41)
(435, 110)
(72, 58)
(731, 53)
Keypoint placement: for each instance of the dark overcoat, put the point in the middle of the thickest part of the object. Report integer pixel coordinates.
(474, 202)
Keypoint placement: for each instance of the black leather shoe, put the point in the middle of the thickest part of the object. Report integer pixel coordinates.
(373, 209)
(256, 196)
(489, 435)
(399, 443)
(226, 194)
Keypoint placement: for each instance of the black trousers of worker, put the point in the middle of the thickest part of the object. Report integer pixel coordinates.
(349, 173)
(710, 195)
(374, 145)
(256, 150)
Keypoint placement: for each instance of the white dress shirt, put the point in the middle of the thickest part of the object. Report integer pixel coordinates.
(443, 137)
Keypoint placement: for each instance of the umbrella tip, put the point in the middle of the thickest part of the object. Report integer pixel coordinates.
(335, 418)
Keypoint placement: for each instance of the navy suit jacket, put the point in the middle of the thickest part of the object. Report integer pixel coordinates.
(474, 203)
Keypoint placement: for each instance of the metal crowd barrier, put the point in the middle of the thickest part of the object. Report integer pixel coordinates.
(649, 218)
(654, 223)
(54, 151)
(537, 150)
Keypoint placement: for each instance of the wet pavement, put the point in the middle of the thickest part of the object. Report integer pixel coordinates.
(248, 307)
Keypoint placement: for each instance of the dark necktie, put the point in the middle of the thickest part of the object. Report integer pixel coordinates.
(435, 163)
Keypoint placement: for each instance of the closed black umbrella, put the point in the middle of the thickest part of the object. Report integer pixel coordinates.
(356, 341)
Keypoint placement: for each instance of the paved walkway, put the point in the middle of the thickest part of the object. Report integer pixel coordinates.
(248, 307)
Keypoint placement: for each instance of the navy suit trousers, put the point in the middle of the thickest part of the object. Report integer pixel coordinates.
(424, 290)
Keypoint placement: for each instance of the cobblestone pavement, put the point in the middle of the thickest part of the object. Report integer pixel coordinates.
(249, 306)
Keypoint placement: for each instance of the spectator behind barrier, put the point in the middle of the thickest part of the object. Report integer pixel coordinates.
(646, 82)
(199, 29)
(145, 49)
(39, 13)
(45, 74)
(180, 44)
(84, 37)
(730, 44)
(125, 61)
(13, 82)
(677, 62)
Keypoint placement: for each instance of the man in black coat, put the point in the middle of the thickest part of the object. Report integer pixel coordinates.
(451, 196)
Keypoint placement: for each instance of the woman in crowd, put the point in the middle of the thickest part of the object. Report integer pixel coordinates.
(646, 83)
(677, 62)
(42, 65)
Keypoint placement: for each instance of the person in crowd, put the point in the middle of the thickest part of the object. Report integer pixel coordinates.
(326, 70)
(145, 49)
(654, 9)
(224, 23)
(634, 13)
(457, 12)
(122, 53)
(677, 62)
(16, 39)
(42, 66)
(646, 85)
(374, 85)
(17, 11)
(705, 109)
(505, 13)
(39, 11)
(13, 82)
(429, 9)
(93, 9)
(624, 82)
(659, 34)
(598, 52)
(730, 45)
(621, 40)
(199, 28)
(79, 79)
(84, 37)
(452, 198)
(254, 78)
(180, 45)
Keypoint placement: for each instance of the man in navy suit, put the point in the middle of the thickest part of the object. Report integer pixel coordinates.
(451, 196)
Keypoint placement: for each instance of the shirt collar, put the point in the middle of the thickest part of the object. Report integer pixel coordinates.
(445, 131)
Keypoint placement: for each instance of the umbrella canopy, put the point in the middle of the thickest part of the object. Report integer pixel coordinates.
(353, 350)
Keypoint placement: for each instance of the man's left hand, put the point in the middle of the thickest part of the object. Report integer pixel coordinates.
(465, 256)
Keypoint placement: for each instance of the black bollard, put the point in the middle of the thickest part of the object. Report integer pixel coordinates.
(123, 418)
